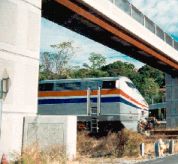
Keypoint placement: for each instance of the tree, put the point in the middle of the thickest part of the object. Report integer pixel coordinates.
(46, 62)
(148, 71)
(84, 73)
(61, 58)
(96, 60)
(93, 70)
(149, 89)
(54, 65)
(120, 68)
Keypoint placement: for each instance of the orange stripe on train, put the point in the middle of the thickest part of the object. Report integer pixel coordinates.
(84, 93)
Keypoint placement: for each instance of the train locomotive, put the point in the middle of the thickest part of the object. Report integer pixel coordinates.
(95, 101)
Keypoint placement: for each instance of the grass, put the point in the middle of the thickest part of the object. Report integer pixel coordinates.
(34, 155)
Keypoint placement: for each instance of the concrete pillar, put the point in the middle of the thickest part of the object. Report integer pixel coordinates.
(19, 60)
(171, 101)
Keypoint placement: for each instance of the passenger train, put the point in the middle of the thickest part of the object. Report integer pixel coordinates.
(94, 100)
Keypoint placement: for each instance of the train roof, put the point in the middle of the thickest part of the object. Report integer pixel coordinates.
(83, 79)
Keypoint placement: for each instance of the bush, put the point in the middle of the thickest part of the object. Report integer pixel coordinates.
(123, 143)
(85, 143)
(128, 143)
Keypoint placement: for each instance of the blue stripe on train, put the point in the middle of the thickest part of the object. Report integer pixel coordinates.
(84, 100)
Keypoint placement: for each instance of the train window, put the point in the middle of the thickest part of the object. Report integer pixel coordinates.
(68, 86)
(108, 84)
(46, 87)
(59, 86)
(72, 86)
(130, 84)
(93, 85)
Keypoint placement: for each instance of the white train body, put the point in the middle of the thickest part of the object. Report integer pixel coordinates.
(108, 99)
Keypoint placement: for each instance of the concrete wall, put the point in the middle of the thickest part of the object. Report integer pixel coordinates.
(19, 60)
(49, 131)
(171, 101)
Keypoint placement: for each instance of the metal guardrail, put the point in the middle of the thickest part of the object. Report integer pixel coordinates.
(131, 10)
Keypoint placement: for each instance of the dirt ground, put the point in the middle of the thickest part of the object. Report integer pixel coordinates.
(104, 161)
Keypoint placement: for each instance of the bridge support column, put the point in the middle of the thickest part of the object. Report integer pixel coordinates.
(171, 101)
(19, 61)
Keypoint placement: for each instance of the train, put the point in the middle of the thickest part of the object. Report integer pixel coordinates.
(98, 103)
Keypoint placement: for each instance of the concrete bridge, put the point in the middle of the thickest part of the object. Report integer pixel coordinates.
(116, 24)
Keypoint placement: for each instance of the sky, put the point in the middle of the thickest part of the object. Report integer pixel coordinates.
(163, 12)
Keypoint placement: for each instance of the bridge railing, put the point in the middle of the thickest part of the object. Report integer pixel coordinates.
(131, 10)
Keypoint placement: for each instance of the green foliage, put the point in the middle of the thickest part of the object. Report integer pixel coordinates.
(149, 89)
(150, 72)
(120, 68)
(152, 81)
(84, 73)
(96, 60)
(93, 70)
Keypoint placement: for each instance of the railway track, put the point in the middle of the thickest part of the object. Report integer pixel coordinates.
(166, 133)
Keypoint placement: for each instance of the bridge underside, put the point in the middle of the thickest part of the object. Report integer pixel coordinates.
(86, 21)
